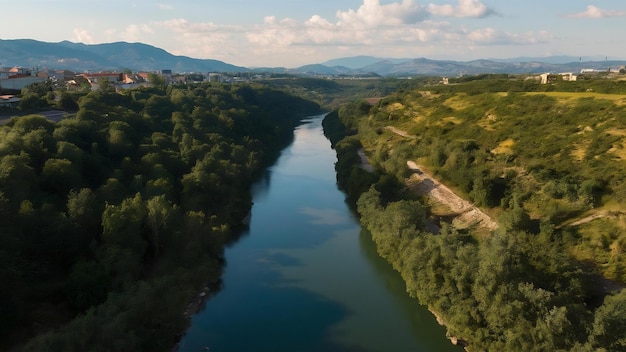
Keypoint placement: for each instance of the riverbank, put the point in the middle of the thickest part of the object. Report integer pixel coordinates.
(353, 163)
(456, 341)
(296, 280)
(197, 304)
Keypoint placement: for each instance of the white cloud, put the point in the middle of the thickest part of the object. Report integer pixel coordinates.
(373, 14)
(596, 13)
(181, 25)
(323, 216)
(464, 8)
(275, 33)
(402, 28)
(319, 22)
(490, 36)
(134, 32)
(202, 39)
(83, 36)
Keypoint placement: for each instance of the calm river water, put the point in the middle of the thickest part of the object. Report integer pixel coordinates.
(306, 277)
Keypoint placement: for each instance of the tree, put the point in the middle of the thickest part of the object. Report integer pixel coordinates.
(120, 138)
(160, 109)
(59, 176)
(84, 209)
(87, 285)
(41, 88)
(17, 178)
(404, 216)
(71, 152)
(30, 123)
(156, 80)
(159, 212)
(32, 101)
(516, 219)
(66, 102)
(123, 243)
(106, 86)
(609, 326)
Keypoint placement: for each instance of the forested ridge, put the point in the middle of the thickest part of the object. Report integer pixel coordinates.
(546, 161)
(113, 219)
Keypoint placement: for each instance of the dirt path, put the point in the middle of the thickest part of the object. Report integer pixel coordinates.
(587, 219)
(597, 215)
(400, 132)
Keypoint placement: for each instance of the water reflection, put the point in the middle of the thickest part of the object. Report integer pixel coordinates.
(306, 278)
(324, 216)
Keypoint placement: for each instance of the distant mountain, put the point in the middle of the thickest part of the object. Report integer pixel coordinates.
(324, 69)
(557, 59)
(423, 66)
(143, 57)
(97, 57)
(357, 62)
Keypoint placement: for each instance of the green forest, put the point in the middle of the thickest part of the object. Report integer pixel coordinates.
(545, 162)
(114, 218)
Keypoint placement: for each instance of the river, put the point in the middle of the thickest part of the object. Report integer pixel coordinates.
(306, 277)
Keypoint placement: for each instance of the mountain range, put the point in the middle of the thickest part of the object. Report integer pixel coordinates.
(143, 57)
(100, 57)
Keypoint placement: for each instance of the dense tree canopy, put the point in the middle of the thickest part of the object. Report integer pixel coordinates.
(116, 216)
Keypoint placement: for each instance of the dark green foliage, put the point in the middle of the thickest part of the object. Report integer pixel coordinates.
(119, 214)
(334, 129)
(350, 114)
(609, 325)
(352, 178)
(86, 285)
(507, 293)
(67, 102)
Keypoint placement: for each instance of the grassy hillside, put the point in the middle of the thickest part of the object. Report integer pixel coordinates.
(547, 163)
(560, 155)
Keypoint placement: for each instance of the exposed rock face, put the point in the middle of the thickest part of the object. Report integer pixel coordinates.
(458, 342)
(467, 215)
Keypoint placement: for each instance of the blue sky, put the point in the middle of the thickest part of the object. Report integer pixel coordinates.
(292, 33)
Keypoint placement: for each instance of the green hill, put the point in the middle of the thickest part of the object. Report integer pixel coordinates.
(547, 162)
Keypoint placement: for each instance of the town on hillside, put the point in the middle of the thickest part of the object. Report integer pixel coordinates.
(14, 79)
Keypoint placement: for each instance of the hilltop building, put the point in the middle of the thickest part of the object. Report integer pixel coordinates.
(547, 78)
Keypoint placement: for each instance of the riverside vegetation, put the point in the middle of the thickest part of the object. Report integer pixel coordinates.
(546, 161)
(113, 219)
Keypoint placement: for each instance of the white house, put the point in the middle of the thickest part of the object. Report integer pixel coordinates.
(569, 76)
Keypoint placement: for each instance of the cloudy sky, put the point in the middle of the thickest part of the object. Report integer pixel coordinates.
(292, 33)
